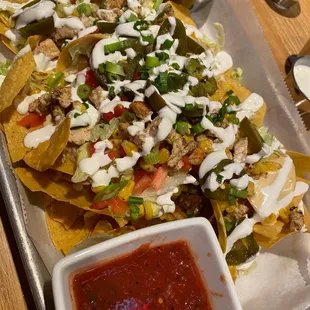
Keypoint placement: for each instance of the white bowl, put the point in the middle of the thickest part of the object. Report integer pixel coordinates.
(197, 232)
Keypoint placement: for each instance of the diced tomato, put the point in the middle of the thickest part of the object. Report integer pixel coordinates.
(117, 205)
(107, 116)
(92, 148)
(91, 79)
(145, 307)
(138, 174)
(136, 75)
(159, 178)
(186, 165)
(31, 120)
(122, 152)
(113, 155)
(119, 110)
(142, 183)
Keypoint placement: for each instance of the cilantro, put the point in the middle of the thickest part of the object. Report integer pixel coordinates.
(219, 178)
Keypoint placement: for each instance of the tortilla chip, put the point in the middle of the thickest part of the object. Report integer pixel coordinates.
(64, 240)
(47, 200)
(16, 79)
(87, 42)
(3, 29)
(8, 44)
(187, 3)
(121, 231)
(233, 271)
(102, 227)
(34, 41)
(267, 243)
(222, 236)
(301, 163)
(15, 134)
(59, 190)
(269, 231)
(5, 18)
(65, 163)
(45, 155)
(259, 116)
(182, 13)
(121, 221)
(91, 219)
(64, 213)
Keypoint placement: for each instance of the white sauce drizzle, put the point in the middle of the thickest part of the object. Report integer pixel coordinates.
(71, 22)
(44, 63)
(127, 162)
(23, 106)
(34, 138)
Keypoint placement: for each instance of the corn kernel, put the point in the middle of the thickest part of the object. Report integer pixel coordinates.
(116, 143)
(188, 138)
(129, 147)
(284, 214)
(126, 191)
(141, 210)
(251, 189)
(264, 167)
(76, 13)
(174, 138)
(97, 189)
(206, 145)
(270, 220)
(145, 166)
(116, 134)
(33, 91)
(148, 210)
(231, 209)
(79, 106)
(164, 155)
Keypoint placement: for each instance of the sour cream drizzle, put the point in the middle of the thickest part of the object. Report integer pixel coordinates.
(34, 138)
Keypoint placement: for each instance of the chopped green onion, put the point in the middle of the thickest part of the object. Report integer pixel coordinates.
(113, 77)
(85, 9)
(121, 45)
(197, 128)
(230, 92)
(54, 80)
(128, 117)
(153, 157)
(110, 191)
(112, 91)
(175, 66)
(132, 18)
(229, 226)
(182, 128)
(162, 56)
(151, 62)
(85, 105)
(114, 68)
(167, 44)
(232, 200)
(83, 91)
(161, 82)
(232, 99)
(141, 25)
(75, 115)
(240, 193)
(132, 200)
(149, 38)
(233, 119)
(134, 212)
(102, 4)
(189, 107)
(219, 178)
(101, 68)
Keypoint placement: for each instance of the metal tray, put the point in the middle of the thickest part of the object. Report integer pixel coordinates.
(232, 13)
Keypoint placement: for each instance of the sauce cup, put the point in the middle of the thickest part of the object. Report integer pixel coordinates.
(197, 232)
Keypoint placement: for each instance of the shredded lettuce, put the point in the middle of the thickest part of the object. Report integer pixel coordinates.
(82, 152)
(4, 67)
(76, 51)
(272, 141)
(220, 34)
(104, 131)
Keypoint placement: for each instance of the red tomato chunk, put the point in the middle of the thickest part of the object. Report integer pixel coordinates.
(164, 277)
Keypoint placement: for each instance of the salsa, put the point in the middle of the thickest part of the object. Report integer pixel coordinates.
(162, 277)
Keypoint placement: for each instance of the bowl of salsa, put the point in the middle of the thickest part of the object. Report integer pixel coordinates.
(175, 266)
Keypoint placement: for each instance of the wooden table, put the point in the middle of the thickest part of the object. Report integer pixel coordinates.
(286, 36)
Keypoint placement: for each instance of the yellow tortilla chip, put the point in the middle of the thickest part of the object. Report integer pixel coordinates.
(5, 17)
(222, 236)
(121, 231)
(34, 41)
(3, 29)
(64, 240)
(64, 213)
(16, 79)
(269, 231)
(187, 3)
(267, 243)
(8, 44)
(301, 163)
(15, 134)
(233, 272)
(87, 43)
(91, 219)
(181, 12)
(45, 155)
(119, 220)
(59, 190)
(102, 227)
(65, 164)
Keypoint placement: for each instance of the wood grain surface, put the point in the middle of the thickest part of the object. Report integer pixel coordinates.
(286, 35)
